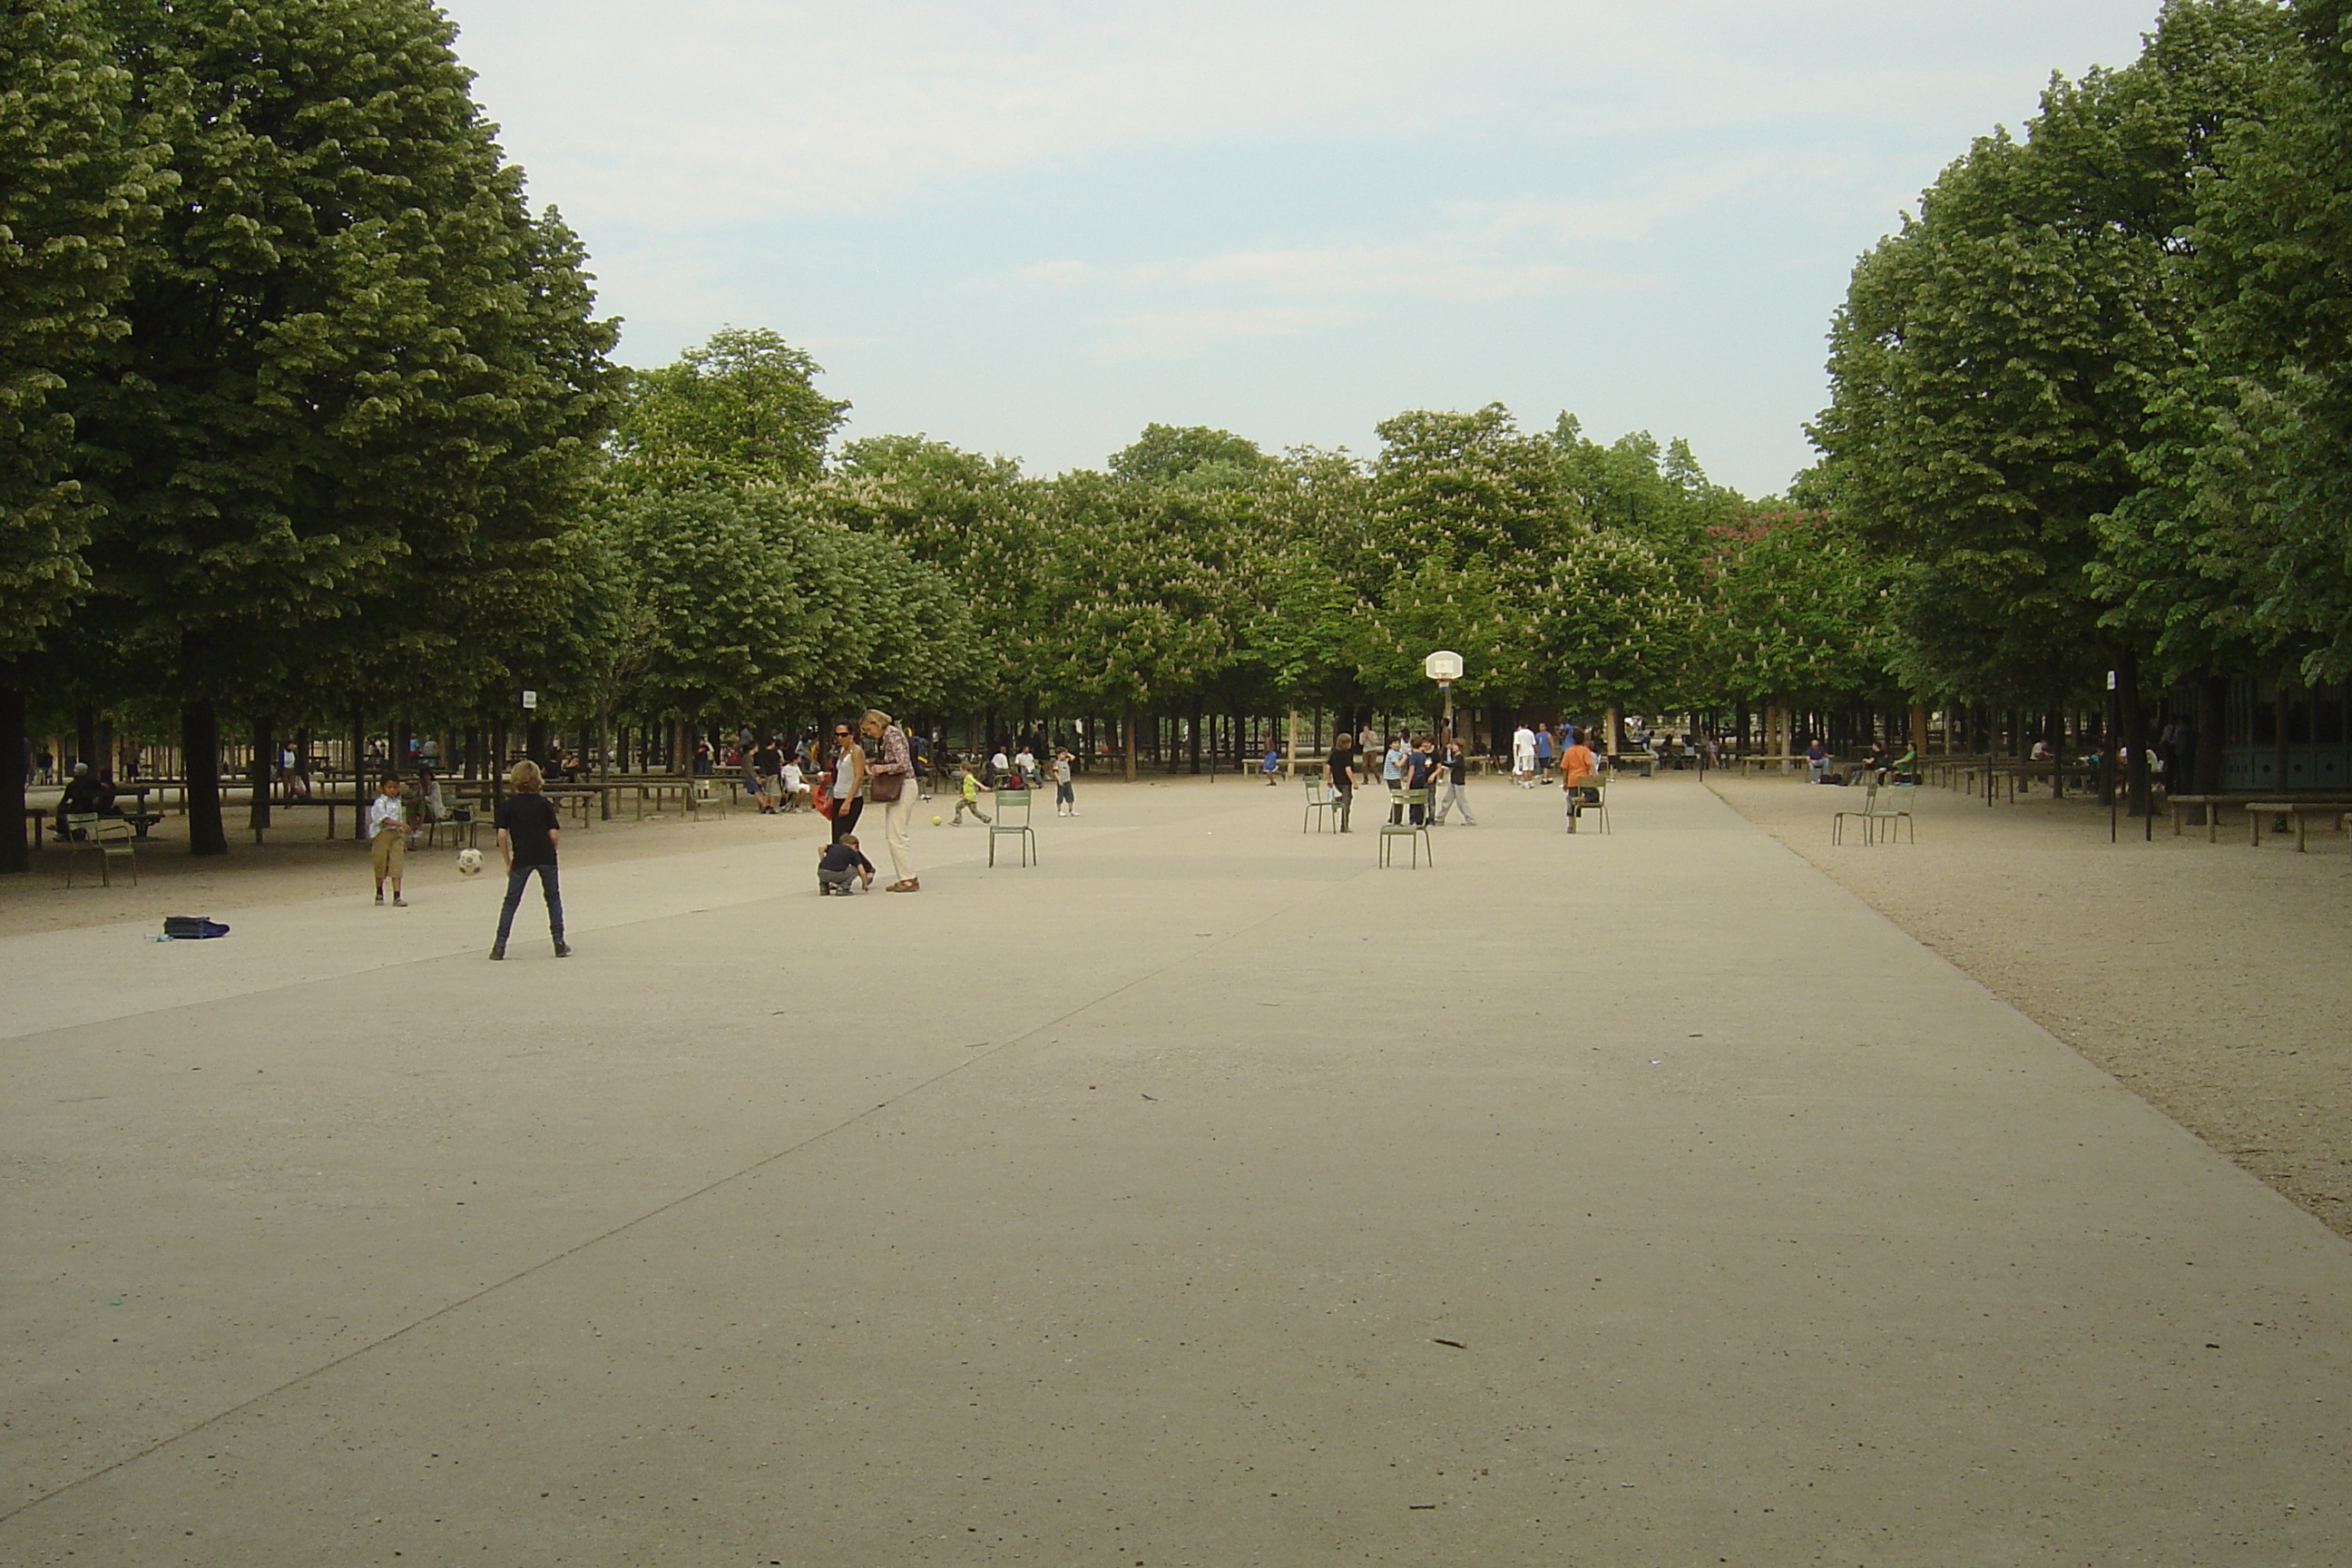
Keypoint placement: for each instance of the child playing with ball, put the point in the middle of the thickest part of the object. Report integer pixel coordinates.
(970, 800)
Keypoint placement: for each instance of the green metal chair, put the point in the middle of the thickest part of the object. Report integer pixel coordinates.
(1319, 803)
(1012, 820)
(1406, 827)
(1861, 814)
(1890, 807)
(1578, 808)
(108, 837)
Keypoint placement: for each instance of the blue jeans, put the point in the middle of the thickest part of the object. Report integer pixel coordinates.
(515, 880)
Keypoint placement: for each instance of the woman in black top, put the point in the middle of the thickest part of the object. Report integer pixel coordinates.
(528, 832)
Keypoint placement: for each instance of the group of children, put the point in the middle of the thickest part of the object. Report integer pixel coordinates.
(1023, 772)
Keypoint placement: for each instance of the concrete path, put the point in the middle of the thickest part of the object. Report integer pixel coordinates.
(1202, 1195)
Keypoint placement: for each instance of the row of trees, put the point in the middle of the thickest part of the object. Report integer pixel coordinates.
(306, 416)
(757, 574)
(2091, 404)
(311, 422)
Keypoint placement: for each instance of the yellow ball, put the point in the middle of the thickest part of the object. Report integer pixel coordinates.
(935, 821)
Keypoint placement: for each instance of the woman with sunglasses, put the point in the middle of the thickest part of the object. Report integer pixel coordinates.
(848, 781)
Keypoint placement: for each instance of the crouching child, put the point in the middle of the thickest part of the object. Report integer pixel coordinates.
(838, 865)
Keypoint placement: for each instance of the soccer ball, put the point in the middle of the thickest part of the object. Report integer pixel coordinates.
(469, 861)
(935, 820)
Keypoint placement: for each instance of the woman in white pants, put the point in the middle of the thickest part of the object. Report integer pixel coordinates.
(892, 770)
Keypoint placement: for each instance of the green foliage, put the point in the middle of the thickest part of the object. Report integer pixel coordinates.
(1140, 596)
(1616, 627)
(360, 392)
(2237, 553)
(1193, 456)
(1995, 366)
(741, 408)
(1461, 485)
(76, 190)
(1796, 611)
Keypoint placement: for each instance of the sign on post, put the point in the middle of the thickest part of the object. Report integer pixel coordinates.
(529, 699)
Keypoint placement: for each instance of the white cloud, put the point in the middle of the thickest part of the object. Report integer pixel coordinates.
(699, 112)
(1146, 333)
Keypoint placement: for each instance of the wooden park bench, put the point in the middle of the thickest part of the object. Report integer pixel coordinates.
(2301, 813)
(2210, 804)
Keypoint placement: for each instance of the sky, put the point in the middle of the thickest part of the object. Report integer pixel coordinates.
(1033, 227)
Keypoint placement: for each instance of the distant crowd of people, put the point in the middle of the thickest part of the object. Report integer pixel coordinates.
(1426, 776)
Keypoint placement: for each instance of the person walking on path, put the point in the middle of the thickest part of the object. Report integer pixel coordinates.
(838, 865)
(388, 838)
(1342, 767)
(1523, 757)
(1578, 768)
(968, 795)
(528, 832)
(1066, 796)
(849, 780)
(1545, 750)
(1454, 768)
(894, 793)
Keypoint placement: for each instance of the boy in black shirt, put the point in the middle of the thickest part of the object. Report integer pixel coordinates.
(838, 864)
(1340, 766)
(528, 834)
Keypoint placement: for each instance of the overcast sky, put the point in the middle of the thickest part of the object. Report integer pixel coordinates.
(1033, 227)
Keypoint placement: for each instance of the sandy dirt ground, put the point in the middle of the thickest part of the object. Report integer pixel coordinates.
(2208, 977)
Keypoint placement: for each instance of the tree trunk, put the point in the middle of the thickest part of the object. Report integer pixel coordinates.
(1192, 740)
(2205, 741)
(200, 759)
(15, 854)
(2135, 719)
(256, 814)
(2282, 709)
(86, 736)
(1132, 740)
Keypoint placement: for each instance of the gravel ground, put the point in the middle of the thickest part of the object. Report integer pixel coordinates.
(2209, 978)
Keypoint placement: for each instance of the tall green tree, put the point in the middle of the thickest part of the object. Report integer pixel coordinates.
(2237, 552)
(1796, 611)
(357, 365)
(1140, 598)
(75, 186)
(1994, 365)
(973, 521)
